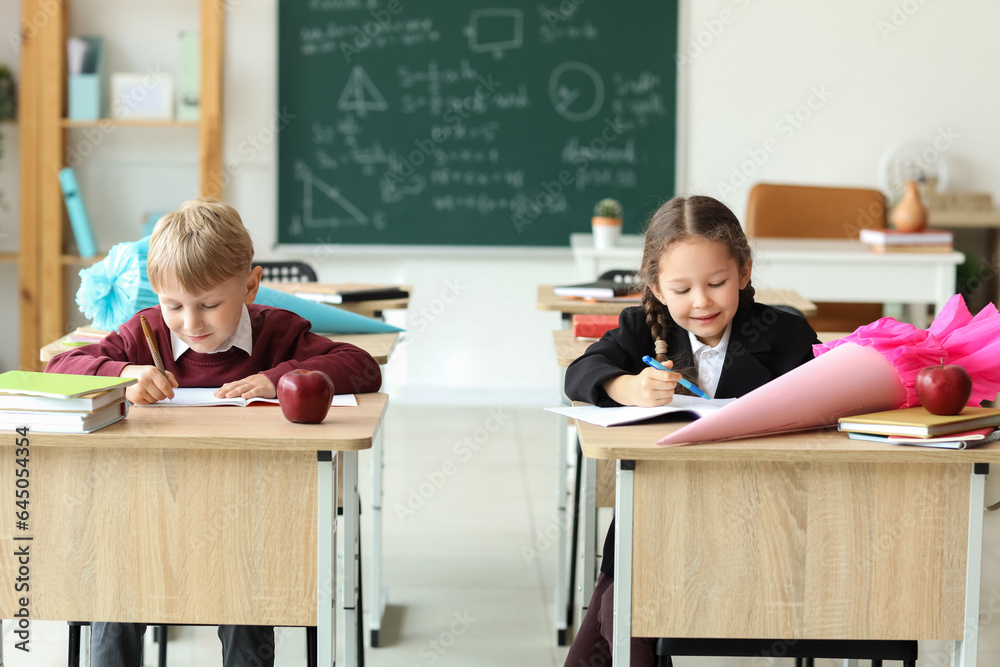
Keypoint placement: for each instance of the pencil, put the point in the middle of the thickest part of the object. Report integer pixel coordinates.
(152, 345)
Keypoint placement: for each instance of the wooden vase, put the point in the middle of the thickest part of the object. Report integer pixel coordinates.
(910, 215)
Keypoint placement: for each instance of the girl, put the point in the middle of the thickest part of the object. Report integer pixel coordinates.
(699, 318)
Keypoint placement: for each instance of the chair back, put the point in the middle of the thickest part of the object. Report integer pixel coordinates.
(798, 211)
(287, 272)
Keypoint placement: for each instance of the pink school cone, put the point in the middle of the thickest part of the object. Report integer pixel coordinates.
(872, 369)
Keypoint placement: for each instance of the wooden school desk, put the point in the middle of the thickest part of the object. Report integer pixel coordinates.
(564, 580)
(381, 347)
(192, 516)
(820, 269)
(374, 308)
(807, 535)
(597, 478)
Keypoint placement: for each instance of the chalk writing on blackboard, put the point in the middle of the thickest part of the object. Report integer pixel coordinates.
(471, 123)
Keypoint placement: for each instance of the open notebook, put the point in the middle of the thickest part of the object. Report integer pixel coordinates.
(689, 406)
(199, 396)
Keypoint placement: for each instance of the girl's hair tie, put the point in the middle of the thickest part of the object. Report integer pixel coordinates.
(660, 346)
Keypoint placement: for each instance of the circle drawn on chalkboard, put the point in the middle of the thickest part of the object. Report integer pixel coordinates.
(571, 86)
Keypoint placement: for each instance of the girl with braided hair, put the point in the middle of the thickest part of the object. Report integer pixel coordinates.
(699, 319)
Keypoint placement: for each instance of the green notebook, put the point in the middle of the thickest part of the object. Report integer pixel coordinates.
(57, 385)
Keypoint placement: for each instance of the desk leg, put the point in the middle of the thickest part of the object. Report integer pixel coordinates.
(349, 593)
(965, 652)
(561, 588)
(326, 564)
(379, 595)
(588, 553)
(621, 647)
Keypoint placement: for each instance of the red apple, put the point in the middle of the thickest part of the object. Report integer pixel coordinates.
(944, 390)
(305, 396)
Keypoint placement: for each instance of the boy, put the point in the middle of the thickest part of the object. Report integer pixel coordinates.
(209, 333)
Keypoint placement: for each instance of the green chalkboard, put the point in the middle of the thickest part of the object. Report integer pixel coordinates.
(471, 123)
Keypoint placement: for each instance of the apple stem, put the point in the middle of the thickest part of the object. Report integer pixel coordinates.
(942, 362)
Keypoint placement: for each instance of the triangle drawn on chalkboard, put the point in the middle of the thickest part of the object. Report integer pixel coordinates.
(360, 94)
(310, 184)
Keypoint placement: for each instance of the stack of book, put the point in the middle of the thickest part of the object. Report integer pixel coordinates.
(916, 426)
(593, 326)
(892, 240)
(58, 403)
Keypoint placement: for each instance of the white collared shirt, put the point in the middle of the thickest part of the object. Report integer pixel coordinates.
(708, 360)
(241, 338)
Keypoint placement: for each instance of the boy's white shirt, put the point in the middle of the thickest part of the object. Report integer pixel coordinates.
(708, 360)
(241, 338)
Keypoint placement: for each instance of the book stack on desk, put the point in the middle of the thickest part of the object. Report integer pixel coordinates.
(59, 403)
(593, 326)
(916, 426)
(892, 240)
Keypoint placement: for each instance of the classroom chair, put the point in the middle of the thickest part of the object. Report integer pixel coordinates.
(797, 211)
(803, 650)
(287, 272)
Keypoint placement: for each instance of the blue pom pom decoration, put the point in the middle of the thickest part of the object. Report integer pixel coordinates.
(116, 288)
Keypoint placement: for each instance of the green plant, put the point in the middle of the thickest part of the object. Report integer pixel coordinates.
(8, 110)
(608, 208)
(8, 106)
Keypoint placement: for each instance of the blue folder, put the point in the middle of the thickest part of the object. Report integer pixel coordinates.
(77, 214)
(324, 317)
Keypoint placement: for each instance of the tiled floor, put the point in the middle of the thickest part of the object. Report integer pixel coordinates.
(467, 563)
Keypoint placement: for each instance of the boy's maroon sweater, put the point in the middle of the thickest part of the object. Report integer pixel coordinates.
(281, 342)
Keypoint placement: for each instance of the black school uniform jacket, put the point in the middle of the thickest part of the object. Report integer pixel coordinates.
(764, 343)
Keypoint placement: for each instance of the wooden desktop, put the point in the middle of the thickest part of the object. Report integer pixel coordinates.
(805, 535)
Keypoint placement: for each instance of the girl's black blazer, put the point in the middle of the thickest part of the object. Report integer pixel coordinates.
(764, 343)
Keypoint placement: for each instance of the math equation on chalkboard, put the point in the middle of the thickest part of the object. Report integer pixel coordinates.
(472, 123)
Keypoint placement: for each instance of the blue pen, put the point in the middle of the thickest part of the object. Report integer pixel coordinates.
(684, 383)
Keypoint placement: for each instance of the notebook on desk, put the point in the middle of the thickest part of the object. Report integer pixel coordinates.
(599, 289)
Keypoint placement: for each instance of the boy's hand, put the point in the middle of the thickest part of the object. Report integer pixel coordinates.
(255, 386)
(650, 388)
(153, 386)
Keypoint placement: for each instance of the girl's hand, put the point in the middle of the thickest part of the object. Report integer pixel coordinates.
(650, 388)
(153, 386)
(255, 386)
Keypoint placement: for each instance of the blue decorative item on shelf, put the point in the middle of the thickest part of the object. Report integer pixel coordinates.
(116, 288)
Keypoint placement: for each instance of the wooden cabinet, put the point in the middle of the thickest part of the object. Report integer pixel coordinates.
(42, 257)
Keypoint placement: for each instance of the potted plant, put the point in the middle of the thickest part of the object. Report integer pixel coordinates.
(8, 109)
(606, 223)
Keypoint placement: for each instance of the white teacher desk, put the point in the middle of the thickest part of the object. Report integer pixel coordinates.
(818, 269)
